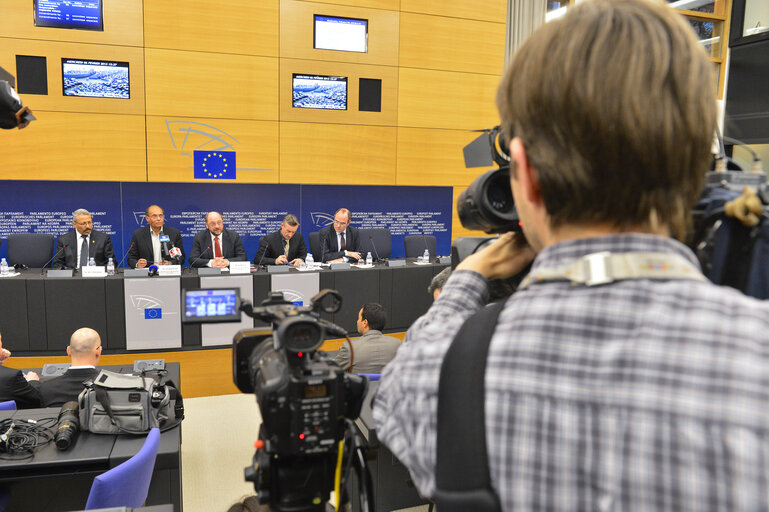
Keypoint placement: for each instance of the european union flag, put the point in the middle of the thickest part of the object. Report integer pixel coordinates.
(153, 313)
(214, 165)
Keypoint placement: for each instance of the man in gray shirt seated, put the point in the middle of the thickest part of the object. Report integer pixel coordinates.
(373, 350)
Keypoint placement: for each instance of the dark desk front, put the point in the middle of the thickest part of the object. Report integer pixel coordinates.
(57, 481)
(38, 314)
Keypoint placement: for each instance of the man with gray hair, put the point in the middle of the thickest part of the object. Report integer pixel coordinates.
(75, 248)
(84, 350)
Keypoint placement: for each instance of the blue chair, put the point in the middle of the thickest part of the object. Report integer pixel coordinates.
(371, 376)
(414, 245)
(31, 249)
(10, 405)
(127, 484)
(314, 238)
(377, 241)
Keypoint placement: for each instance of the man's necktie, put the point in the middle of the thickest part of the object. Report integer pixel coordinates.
(84, 251)
(343, 247)
(217, 248)
(286, 248)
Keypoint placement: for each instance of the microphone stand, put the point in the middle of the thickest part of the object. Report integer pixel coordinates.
(42, 270)
(192, 263)
(266, 246)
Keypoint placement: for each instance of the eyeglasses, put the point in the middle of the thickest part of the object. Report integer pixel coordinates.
(340, 223)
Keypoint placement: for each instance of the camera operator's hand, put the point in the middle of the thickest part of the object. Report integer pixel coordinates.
(505, 257)
(31, 376)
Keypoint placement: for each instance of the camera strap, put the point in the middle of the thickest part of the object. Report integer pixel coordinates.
(462, 475)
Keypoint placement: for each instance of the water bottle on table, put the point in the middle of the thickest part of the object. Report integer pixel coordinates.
(91, 262)
(309, 260)
(369, 259)
(3, 267)
(426, 256)
(110, 267)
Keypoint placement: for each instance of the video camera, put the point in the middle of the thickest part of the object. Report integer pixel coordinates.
(306, 445)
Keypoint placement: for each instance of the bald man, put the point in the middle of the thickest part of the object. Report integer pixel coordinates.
(216, 246)
(84, 350)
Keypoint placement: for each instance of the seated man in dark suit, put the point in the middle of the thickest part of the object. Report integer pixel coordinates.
(216, 246)
(373, 350)
(15, 386)
(84, 350)
(148, 244)
(282, 247)
(339, 241)
(74, 249)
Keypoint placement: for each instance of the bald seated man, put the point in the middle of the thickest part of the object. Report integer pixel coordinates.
(216, 246)
(84, 350)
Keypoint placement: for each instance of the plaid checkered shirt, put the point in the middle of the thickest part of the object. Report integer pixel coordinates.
(643, 395)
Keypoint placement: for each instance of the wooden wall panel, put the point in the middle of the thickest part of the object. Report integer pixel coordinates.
(222, 86)
(54, 52)
(337, 154)
(171, 143)
(389, 76)
(297, 32)
(470, 9)
(392, 5)
(446, 99)
(236, 26)
(437, 42)
(434, 157)
(122, 24)
(76, 146)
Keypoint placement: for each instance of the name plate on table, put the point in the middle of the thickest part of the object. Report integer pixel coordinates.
(58, 273)
(136, 272)
(444, 260)
(209, 271)
(277, 269)
(93, 271)
(169, 270)
(340, 266)
(396, 263)
(240, 267)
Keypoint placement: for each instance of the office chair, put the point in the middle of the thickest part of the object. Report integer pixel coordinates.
(31, 249)
(415, 245)
(127, 484)
(10, 405)
(382, 240)
(314, 238)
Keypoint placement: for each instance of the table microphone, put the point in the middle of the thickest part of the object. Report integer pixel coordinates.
(322, 249)
(124, 256)
(266, 246)
(373, 246)
(42, 270)
(192, 263)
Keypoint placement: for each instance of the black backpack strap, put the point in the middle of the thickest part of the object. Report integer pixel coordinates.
(463, 480)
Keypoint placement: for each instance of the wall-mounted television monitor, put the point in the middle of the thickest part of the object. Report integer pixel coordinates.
(320, 91)
(77, 14)
(95, 78)
(343, 34)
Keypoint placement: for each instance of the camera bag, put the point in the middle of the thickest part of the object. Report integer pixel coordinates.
(117, 403)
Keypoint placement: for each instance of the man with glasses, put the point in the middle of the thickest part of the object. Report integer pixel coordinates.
(84, 350)
(149, 244)
(339, 242)
(75, 248)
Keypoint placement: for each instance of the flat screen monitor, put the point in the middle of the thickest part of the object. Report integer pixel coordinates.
(211, 305)
(77, 14)
(320, 91)
(343, 34)
(95, 78)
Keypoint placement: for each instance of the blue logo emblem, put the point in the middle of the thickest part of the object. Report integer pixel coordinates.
(153, 313)
(215, 165)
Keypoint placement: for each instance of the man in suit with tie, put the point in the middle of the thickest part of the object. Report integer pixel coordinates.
(282, 247)
(15, 386)
(216, 246)
(84, 351)
(75, 248)
(339, 242)
(149, 244)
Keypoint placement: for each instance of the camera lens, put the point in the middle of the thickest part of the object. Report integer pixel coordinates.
(487, 204)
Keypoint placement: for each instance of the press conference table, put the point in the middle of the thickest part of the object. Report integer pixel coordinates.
(57, 481)
(38, 313)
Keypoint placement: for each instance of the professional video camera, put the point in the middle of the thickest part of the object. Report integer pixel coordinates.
(306, 443)
(12, 113)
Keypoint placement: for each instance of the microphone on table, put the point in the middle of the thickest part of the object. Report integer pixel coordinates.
(125, 256)
(322, 249)
(175, 254)
(266, 246)
(164, 239)
(192, 263)
(153, 269)
(373, 246)
(42, 270)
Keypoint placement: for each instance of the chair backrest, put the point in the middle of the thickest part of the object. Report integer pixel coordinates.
(383, 242)
(127, 484)
(415, 245)
(315, 245)
(31, 249)
(10, 405)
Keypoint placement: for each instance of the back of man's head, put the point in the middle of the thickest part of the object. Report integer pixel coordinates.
(615, 104)
(375, 314)
(84, 347)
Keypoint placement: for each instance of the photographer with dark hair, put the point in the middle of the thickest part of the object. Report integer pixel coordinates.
(373, 350)
(617, 377)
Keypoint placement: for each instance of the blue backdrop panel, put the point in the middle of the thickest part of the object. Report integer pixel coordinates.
(47, 206)
(250, 209)
(404, 210)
